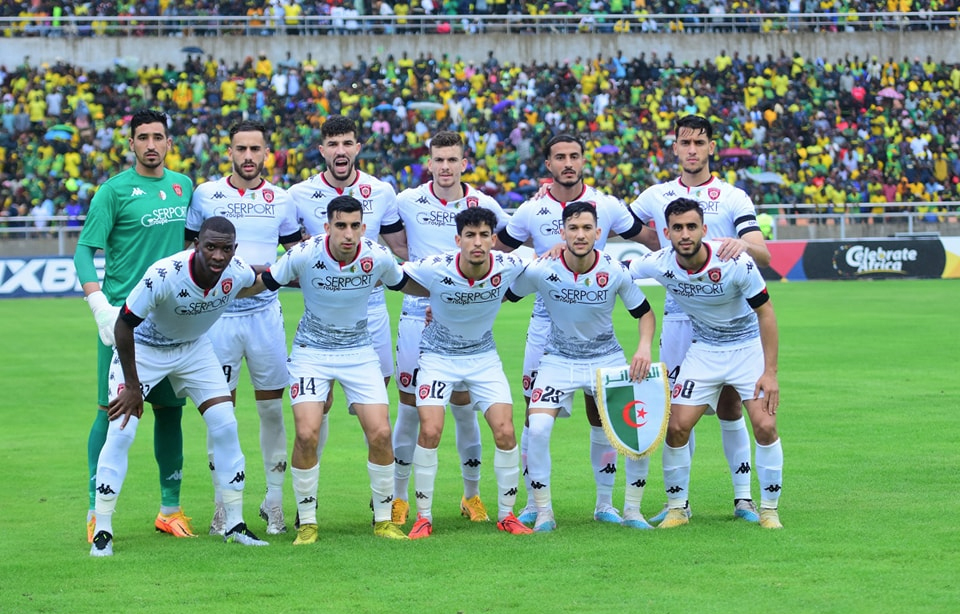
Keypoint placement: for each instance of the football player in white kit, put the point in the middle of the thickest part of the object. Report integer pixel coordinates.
(579, 290)
(337, 271)
(538, 220)
(466, 289)
(161, 333)
(730, 218)
(252, 328)
(428, 213)
(735, 343)
(340, 146)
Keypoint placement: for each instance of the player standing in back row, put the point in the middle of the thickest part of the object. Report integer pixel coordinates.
(730, 218)
(252, 328)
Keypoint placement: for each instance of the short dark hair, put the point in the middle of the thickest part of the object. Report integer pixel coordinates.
(576, 208)
(680, 206)
(248, 125)
(475, 216)
(697, 123)
(344, 204)
(337, 125)
(446, 138)
(561, 138)
(218, 223)
(147, 116)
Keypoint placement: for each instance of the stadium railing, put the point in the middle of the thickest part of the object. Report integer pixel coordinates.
(218, 25)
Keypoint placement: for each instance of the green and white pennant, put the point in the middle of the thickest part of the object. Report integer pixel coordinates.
(634, 414)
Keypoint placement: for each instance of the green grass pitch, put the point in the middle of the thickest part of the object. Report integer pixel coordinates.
(869, 422)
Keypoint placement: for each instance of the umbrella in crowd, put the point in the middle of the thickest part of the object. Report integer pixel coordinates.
(766, 177)
(424, 105)
(192, 50)
(607, 149)
(735, 152)
(60, 132)
(383, 106)
(503, 104)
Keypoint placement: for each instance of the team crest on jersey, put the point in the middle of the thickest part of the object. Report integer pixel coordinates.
(366, 264)
(268, 195)
(177, 189)
(527, 382)
(536, 395)
(405, 379)
(365, 190)
(495, 280)
(602, 279)
(226, 285)
(294, 391)
(714, 275)
(424, 391)
(713, 193)
(472, 201)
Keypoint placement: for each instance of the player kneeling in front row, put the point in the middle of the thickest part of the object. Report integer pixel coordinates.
(579, 290)
(735, 343)
(337, 271)
(161, 333)
(457, 347)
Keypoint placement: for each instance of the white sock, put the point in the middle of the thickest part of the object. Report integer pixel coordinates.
(636, 472)
(676, 474)
(305, 491)
(468, 446)
(692, 444)
(603, 459)
(539, 463)
(506, 466)
(273, 447)
(736, 447)
(770, 473)
(217, 494)
(424, 476)
(228, 459)
(112, 471)
(381, 484)
(524, 469)
(322, 436)
(405, 432)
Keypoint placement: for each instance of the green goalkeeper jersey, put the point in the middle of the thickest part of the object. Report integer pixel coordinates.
(136, 221)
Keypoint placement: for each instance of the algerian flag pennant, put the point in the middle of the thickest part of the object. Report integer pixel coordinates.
(634, 414)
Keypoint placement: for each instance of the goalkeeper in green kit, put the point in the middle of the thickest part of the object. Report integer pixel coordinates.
(136, 217)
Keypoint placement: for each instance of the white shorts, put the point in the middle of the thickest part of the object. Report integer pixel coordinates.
(409, 330)
(707, 369)
(481, 375)
(257, 336)
(313, 371)
(192, 368)
(559, 378)
(537, 333)
(378, 325)
(675, 339)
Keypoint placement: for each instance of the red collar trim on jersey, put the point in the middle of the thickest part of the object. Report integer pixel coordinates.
(326, 246)
(706, 262)
(583, 191)
(470, 280)
(596, 261)
(690, 187)
(464, 187)
(242, 191)
(323, 178)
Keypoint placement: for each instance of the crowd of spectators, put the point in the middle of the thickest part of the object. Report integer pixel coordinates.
(126, 17)
(843, 135)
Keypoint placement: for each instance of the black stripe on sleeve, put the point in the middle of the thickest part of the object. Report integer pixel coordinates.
(269, 281)
(759, 299)
(507, 240)
(638, 311)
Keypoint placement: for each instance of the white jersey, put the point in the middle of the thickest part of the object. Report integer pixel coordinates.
(263, 216)
(580, 305)
(431, 228)
(540, 219)
(377, 197)
(717, 297)
(463, 309)
(174, 309)
(333, 290)
(727, 212)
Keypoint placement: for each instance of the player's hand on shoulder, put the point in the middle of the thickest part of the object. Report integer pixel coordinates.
(731, 248)
(554, 252)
